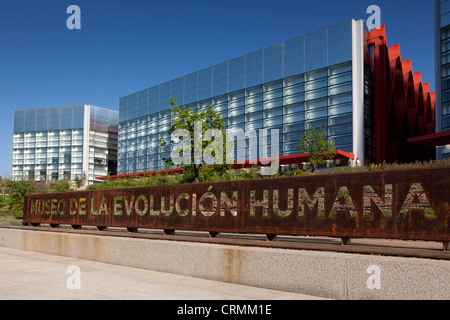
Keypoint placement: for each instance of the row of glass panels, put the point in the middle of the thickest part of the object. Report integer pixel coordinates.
(314, 51)
(445, 13)
(445, 70)
(64, 118)
(46, 174)
(58, 118)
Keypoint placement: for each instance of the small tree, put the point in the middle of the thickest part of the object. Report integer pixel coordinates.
(318, 147)
(61, 186)
(80, 181)
(187, 119)
(17, 191)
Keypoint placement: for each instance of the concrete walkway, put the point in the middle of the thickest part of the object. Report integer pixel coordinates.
(28, 275)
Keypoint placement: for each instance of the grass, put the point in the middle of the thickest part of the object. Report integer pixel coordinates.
(370, 167)
(9, 221)
(10, 218)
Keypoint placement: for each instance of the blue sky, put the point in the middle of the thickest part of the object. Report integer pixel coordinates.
(126, 46)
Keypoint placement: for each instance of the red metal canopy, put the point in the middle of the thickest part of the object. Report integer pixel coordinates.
(432, 140)
(293, 159)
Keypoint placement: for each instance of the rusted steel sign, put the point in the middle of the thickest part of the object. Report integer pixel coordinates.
(407, 204)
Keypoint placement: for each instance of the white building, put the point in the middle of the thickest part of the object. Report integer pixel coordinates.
(64, 143)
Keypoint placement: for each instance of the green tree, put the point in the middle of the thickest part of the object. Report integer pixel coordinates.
(207, 136)
(17, 191)
(61, 186)
(80, 181)
(316, 144)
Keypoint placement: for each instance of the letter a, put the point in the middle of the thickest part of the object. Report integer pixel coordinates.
(74, 21)
(374, 21)
(74, 281)
(374, 281)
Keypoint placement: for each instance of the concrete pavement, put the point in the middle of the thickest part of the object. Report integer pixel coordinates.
(26, 275)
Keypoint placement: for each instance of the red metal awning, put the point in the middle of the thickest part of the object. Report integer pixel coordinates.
(293, 159)
(432, 140)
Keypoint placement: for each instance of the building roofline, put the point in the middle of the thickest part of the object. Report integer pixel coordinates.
(241, 56)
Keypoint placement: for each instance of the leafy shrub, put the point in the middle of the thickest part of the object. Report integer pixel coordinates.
(61, 186)
(17, 191)
(145, 181)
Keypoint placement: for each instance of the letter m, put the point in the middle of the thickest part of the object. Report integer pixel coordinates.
(34, 207)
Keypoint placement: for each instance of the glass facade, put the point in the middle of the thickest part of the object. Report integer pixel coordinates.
(443, 68)
(50, 143)
(289, 86)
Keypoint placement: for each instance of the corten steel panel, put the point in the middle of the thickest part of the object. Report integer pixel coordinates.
(406, 204)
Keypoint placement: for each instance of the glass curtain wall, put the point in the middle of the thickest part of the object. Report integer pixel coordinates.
(103, 135)
(444, 67)
(48, 144)
(289, 86)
